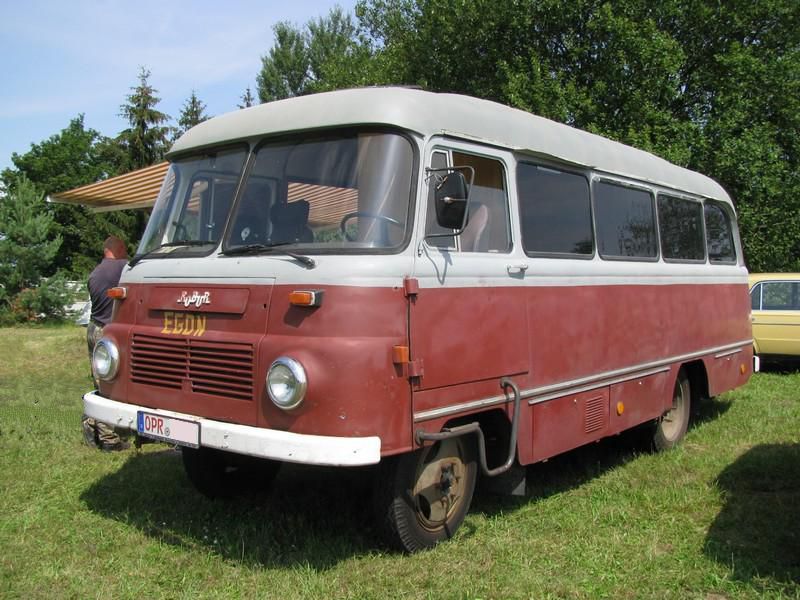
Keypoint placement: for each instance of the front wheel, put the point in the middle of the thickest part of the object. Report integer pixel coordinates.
(671, 427)
(421, 498)
(218, 474)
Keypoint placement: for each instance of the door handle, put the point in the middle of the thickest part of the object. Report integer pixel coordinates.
(515, 268)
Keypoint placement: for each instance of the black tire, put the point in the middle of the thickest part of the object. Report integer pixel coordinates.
(421, 498)
(218, 474)
(671, 428)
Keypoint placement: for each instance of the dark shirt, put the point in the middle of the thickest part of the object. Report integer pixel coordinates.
(105, 276)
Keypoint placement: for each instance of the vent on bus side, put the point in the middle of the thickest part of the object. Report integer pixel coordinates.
(217, 368)
(595, 416)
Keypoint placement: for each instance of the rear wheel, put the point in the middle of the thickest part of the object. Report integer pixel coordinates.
(422, 498)
(218, 474)
(671, 427)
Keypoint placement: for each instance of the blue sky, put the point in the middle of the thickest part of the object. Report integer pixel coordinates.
(59, 59)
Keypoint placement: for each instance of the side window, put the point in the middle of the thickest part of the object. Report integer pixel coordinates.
(488, 226)
(555, 208)
(438, 161)
(755, 297)
(719, 234)
(625, 220)
(680, 224)
(781, 295)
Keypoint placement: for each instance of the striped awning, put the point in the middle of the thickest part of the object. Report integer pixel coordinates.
(137, 189)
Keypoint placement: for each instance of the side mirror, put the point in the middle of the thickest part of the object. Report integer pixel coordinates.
(451, 196)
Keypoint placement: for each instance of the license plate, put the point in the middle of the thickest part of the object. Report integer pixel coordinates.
(168, 429)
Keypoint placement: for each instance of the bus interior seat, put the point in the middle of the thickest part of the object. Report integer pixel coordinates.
(290, 222)
(475, 238)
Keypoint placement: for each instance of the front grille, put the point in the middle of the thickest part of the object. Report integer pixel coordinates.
(217, 368)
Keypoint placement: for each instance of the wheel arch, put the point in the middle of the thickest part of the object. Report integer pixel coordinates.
(698, 381)
(496, 428)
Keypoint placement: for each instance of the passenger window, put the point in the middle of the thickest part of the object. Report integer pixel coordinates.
(755, 297)
(781, 295)
(488, 228)
(719, 235)
(438, 161)
(680, 224)
(625, 222)
(555, 208)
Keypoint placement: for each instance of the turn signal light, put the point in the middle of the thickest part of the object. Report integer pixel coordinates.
(400, 355)
(117, 293)
(305, 298)
(620, 408)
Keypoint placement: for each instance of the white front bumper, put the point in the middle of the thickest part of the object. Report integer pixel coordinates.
(244, 439)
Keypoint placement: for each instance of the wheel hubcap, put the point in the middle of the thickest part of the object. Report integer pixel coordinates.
(439, 487)
(672, 420)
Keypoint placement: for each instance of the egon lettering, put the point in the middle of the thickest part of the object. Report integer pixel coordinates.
(178, 323)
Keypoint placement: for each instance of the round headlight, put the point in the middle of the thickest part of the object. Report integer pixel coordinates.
(286, 383)
(105, 359)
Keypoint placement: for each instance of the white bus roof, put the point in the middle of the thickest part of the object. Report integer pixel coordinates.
(428, 113)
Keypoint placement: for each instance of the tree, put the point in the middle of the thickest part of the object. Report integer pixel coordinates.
(146, 140)
(284, 71)
(708, 85)
(192, 113)
(27, 247)
(325, 54)
(247, 99)
(75, 156)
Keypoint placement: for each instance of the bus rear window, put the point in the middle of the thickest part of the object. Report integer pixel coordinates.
(680, 224)
(719, 234)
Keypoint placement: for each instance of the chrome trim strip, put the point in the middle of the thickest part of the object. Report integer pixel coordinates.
(728, 353)
(556, 390)
(586, 388)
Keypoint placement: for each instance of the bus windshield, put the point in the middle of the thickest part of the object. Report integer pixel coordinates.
(335, 193)
(192, 208)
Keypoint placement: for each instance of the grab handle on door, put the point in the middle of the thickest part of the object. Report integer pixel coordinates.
(516, 268)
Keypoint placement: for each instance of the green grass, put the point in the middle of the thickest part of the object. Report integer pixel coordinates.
(717, 518)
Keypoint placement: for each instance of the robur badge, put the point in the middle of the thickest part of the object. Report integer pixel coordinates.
(197, 299)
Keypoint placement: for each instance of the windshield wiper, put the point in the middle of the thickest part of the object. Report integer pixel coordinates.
(177, 243)
(266, 248)
(187, 243)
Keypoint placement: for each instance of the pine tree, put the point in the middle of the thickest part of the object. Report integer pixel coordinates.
(192, 113)
(247, 99)
(146, 139)
(75, 156)
(27, 243)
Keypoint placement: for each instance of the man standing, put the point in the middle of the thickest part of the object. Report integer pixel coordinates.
(104, 277)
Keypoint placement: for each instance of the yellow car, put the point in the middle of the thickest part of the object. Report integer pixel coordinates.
(775, 300)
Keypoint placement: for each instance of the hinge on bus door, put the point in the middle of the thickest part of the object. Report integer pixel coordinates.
(411, 368)
(410, 286)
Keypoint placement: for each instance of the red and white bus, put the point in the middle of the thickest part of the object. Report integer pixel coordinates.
(439, 284)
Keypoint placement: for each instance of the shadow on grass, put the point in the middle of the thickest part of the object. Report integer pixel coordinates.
(757, 533)
(577, 467)
(708, 409)
(314, 517)
(780, 366)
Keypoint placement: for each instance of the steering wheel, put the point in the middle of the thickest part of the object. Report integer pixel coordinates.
(383, 218)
